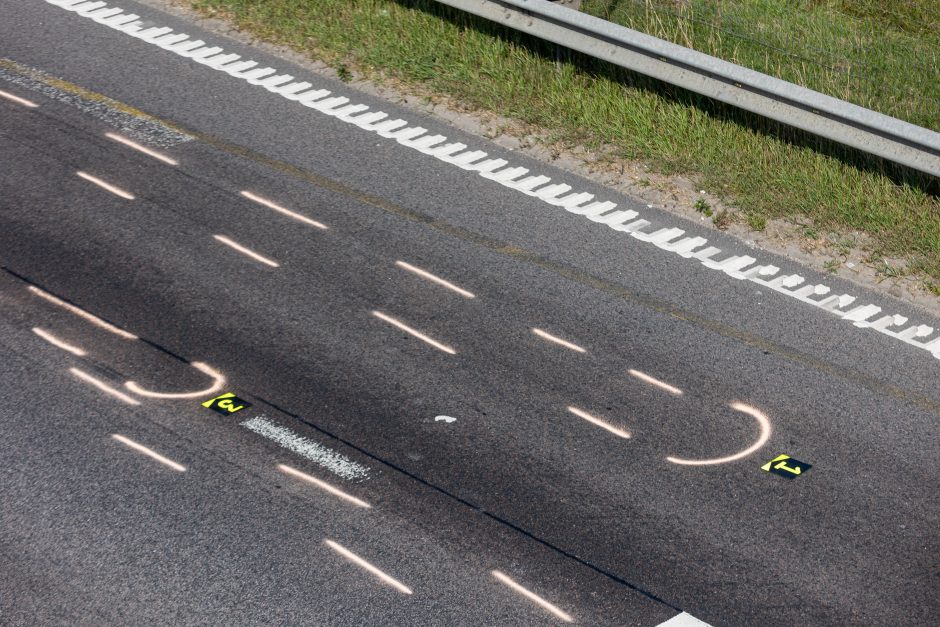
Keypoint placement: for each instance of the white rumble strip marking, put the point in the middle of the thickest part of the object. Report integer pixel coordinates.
(336, 463)
(741, 267)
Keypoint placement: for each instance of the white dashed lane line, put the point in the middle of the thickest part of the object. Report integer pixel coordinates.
(114, 189)
(361, 563)
(515, 587)
(140, 448)
(323, 485)
(418, 334)
(104, 387)
(20, 101)
(545, 335)
(287, 212)
(670, 239)
(662, 385)
(69, 348)
(147, 151)
(594, 420)
(434, 279)
(78, 311)
(246, 251)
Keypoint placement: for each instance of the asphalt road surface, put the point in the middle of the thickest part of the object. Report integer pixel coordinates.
(457, 398)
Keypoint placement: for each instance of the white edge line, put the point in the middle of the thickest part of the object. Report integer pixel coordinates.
(600, 423)
(642, 376)
(59, 343)
(280, 209)
(323, 486)
(352, 557)
(421, 336)
(104, 387)
(18, 100)
(533, 597)
(150, 153)
(82, 313)
(117, 191)
(558, 340)
(146, 451)
(436, 279)
(246, 251)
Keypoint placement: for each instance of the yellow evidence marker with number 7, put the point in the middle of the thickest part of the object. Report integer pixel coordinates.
(786, 466)
(226, 404)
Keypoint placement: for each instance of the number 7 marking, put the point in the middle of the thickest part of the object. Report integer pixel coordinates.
(783, 466)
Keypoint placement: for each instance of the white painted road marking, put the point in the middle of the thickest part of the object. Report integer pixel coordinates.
(104, 387)
(447, 419)
(323, 485)
(436, 279)
(418, 334)
(557, 340)
(107, 326)
(150, 153)
(247, 252)
(308, 449)
(146, 451)
(597, 421)
(763, 422)
(642, 376)
(18, 100)
(59, 343)
(670, 239)
(683, 620)
(117, 191)
(358, 561)
(533, 597)
(280, 209)
(218, 380)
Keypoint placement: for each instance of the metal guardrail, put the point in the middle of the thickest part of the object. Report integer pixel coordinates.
(842, 122)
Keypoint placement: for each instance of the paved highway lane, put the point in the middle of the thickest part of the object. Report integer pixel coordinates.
(612, 402)
(119, 506)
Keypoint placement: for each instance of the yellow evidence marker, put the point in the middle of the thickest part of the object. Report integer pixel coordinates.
(786, 466)
(226, 404)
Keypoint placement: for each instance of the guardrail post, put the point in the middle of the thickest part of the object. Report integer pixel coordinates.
(568, 4)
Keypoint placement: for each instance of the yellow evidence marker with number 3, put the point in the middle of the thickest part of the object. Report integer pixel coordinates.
(786, 466)
(226, 404)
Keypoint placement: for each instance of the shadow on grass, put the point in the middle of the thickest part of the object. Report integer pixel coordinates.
(898, 174)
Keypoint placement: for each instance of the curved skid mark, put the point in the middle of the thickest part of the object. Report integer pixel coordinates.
(762, 420)
(219, 381)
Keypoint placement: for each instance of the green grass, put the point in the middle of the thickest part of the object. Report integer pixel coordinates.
(766, 170)
(880, 54)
